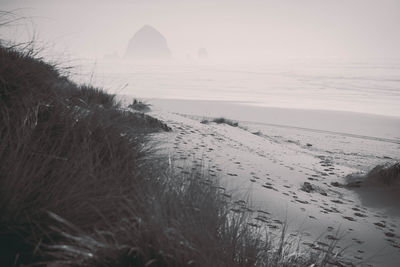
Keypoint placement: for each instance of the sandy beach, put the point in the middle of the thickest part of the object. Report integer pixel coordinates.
(200, 133)
(291, 165)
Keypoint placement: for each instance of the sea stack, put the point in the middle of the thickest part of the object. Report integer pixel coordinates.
(148, 44)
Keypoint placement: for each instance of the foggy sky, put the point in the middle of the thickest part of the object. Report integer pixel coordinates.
(228, 29)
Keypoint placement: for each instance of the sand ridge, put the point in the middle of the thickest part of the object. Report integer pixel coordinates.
(286, 185)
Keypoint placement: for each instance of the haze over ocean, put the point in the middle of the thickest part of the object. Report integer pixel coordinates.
(356, 86)
(335, 55)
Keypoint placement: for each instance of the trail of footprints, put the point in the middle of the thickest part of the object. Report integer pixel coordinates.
(191, 143)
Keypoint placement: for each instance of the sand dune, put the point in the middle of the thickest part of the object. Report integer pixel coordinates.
(295, 175)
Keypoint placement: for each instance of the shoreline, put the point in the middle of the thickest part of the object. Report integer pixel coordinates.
(342, 122)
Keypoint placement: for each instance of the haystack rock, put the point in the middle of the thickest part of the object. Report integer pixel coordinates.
(148, 44)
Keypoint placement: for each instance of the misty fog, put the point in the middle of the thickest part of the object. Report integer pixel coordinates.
(229, 30)
(337, 55)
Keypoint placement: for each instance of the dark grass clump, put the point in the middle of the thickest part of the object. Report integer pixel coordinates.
(385, 175)
(388, 174)
(225, 121)
(139, 106)
(79, 186)
(221, 120)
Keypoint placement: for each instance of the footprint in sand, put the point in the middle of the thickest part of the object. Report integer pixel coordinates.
(358, 241)
(272, 226)
(380, 224)
(269, 187)
(395, 245)
(390, 234)
(349, 218)
(358, 214)
(331, 237)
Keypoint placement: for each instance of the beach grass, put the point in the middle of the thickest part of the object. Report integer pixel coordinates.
(382, 175)
(387, 174)
(139, 106)
(221, 120)
(80, 185)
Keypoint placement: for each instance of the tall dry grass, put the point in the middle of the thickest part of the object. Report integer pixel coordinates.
(64, 148)
(80, 186)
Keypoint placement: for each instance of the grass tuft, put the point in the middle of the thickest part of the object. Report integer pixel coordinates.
(225, 121)
(221, 120)
(139, 106)
(388, 174)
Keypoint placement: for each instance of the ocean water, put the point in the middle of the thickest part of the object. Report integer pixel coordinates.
(358, 86)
